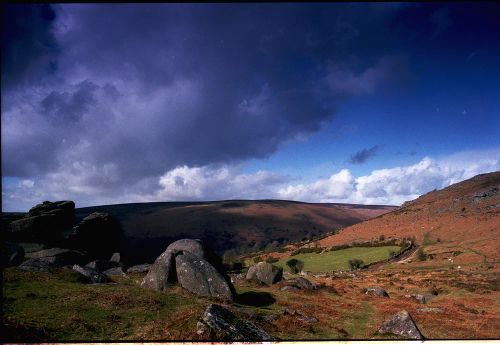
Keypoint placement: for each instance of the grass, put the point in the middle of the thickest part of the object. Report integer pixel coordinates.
(339, 259)
(55, 306)
(357, 322)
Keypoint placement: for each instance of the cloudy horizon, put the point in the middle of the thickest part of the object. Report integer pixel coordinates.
(121, 103)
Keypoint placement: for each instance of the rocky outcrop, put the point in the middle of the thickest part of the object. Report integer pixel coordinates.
(423, 299)
(99, 234)
(264, 272)
(93, 275)
(195, 267)
(377, 292)
(45, 223)
(201, 278)
(401, 325)
(218, 323)
(12, 254)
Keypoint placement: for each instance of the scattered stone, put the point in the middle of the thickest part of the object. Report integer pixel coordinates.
(271, 317)
(98, 265)
(423, 299)
(94, 275)
(199, 277)
(114, 261)
(289, 288)
(402, 325)
(289, 311)
(12, 254)
(37, 265)
(58, 256)
(300, 283)
(115, 271)
(430, 310)
(139, 268)
(377, 292)
(308, 319)
(218, 323)
(265, 273)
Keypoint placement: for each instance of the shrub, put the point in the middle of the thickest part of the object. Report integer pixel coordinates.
(295, 265)
(381, 238)
(272, 260)
(421, 255)
(356, 264)
(307, 250)
(257, 259)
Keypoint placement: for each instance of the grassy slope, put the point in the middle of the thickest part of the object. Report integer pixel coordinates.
(339, 259)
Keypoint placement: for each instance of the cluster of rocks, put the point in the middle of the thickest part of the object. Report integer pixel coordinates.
(194, 267)
(265, 273)
(296, 284)
(45, 222)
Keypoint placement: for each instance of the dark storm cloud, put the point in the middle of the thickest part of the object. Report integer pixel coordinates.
(28, 44)
(141, 89)
(362, 156)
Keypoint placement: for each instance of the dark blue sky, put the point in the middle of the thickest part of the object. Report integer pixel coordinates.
(355, 102)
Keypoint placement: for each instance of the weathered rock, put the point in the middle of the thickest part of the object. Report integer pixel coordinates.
(402, 325)
(12, 254)
(99, 234)
(289, 288)
(218, 323)
(38, 265)
(308, 319)
(162, 273)
(271, 317)
(196, 275)
(265, 273)
(423, 299)
(98, 265)
(94, 275)
(115, 259)
(139, 268)
(377, 292)
(32, 247)
(58, 256)
(45, 223)
(115, 271)
(300, 283)
(47, 206)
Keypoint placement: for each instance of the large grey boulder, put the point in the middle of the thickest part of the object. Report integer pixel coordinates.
(58, 256)
(265, 272)
(218, 323)
(162, 273)
(377, 292)
(401, 324)
(201, 272)
(198, 276)
(93, 275)
(12, 254)
(45, 222)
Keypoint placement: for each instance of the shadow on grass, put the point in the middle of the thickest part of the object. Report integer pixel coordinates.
(255, 299)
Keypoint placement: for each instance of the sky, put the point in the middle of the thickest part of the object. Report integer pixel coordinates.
(371, 103)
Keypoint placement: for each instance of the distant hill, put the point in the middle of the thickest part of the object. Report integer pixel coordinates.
(462, 220)
(150, 227)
